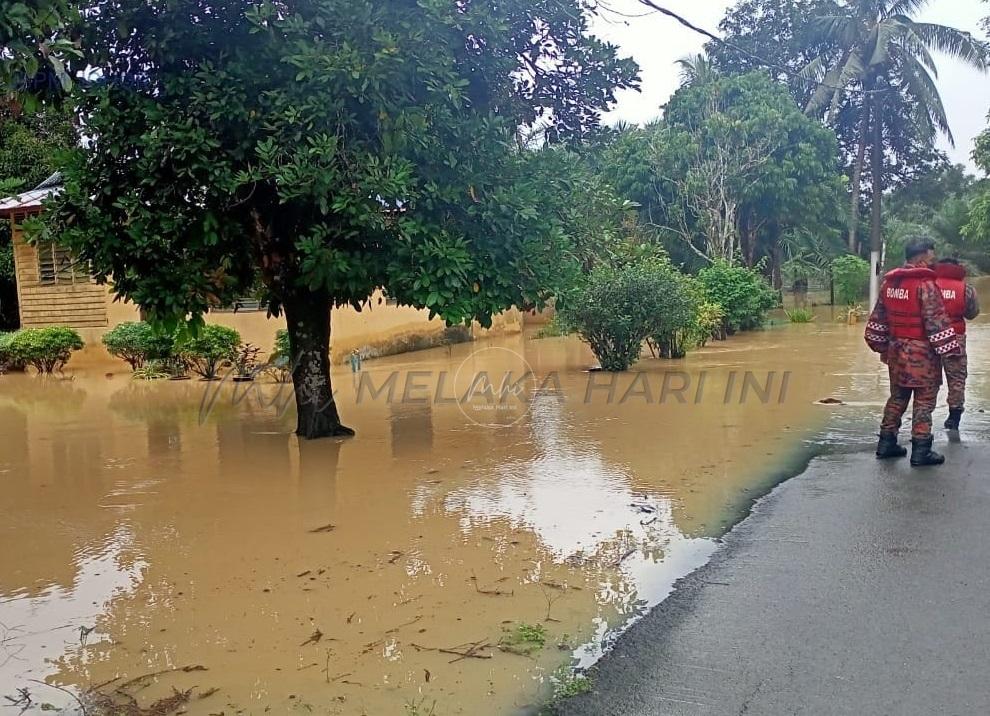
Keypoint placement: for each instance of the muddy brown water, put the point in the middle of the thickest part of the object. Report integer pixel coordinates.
(175, 535)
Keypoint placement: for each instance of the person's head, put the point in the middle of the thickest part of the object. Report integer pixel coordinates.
(920, 251)
(950, 260)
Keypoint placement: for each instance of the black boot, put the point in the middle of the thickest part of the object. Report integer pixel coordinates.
(955, 415)
(922, 454)
(888, 447)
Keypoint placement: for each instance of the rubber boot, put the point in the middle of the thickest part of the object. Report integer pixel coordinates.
(888, 448)
(955, 415)
(922, 454)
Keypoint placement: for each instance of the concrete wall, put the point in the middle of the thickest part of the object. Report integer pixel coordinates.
(379, 329)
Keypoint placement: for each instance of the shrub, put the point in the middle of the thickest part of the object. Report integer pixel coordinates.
(679, 318)
(280, 360)
(214, 347)
(851, 277)
(552, 329)
(152, 370)
(708, 324)
(800, 315)
(246, 361)
(7, 359)
(617, 308)
(132, 341)
(743, 293)
(47, 349)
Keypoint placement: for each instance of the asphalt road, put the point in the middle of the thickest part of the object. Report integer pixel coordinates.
(856, 588)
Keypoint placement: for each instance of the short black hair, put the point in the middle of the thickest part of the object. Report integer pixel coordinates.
(918, 245)
(950, 260)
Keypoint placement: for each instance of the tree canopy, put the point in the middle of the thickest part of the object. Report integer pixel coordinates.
(732, 166)
(328, 148)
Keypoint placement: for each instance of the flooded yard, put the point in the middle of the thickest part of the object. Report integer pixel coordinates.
(172, 544)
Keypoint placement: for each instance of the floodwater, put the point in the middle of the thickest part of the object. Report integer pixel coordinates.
(170, 546)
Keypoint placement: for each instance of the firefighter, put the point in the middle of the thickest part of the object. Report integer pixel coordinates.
(962, 304)
(911, 330)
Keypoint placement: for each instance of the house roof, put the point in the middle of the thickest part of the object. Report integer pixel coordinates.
(27, 200)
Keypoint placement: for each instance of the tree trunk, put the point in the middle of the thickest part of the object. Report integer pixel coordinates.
(857, 178)
(307, 317)
(876, 219)
(776, 264)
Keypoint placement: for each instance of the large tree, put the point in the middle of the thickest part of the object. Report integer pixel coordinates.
(733, 166)
(35, 43)
(884, 57)
(329, 148)
(778, 37)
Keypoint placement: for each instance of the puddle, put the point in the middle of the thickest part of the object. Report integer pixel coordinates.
(144, 534)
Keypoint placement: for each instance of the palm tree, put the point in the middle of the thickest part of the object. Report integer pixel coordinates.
(697, 69)
(883, 57)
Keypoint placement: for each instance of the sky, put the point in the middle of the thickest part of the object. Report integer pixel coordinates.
(657, 42)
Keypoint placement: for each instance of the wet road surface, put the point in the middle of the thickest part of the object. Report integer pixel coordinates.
(857, 588)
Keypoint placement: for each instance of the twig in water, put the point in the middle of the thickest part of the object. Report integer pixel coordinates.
(471, 650)
(314, 638)
(624, 557)
(82, 706)
(551, 598)
(490, 592)
(152, 675)
(24, 699)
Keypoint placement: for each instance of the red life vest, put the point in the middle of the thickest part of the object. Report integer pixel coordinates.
(951, 280)
(899, 294)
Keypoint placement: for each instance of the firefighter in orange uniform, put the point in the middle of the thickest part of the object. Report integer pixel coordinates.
(962, 304)
(910, 329)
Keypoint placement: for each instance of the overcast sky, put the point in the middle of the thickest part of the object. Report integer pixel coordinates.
(657, 42)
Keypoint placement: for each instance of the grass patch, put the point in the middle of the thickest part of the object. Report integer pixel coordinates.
(800, 315)
(524, 639)
(567, 684)
(552, 329)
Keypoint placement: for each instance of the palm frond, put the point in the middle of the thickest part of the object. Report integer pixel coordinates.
(841, 29)
(927, 97)
(881, 38)
(954, 43)
(909, 42)
(906, 7)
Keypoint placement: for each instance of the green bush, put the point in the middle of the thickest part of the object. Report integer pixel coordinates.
(707, 325)
(133, 341)
(800, 315)
(282, 350)
(7, 359)
(47, 349)
(743, 293)
(679, 318)
(617, 308)
(152, 370)
(551, 329)
(851, 277)
(280, 360)
(211, 349)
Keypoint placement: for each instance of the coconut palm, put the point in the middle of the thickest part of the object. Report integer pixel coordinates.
(697, 69)
(882, 57)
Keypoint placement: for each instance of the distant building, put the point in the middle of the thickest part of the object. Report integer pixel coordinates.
(53, 288)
